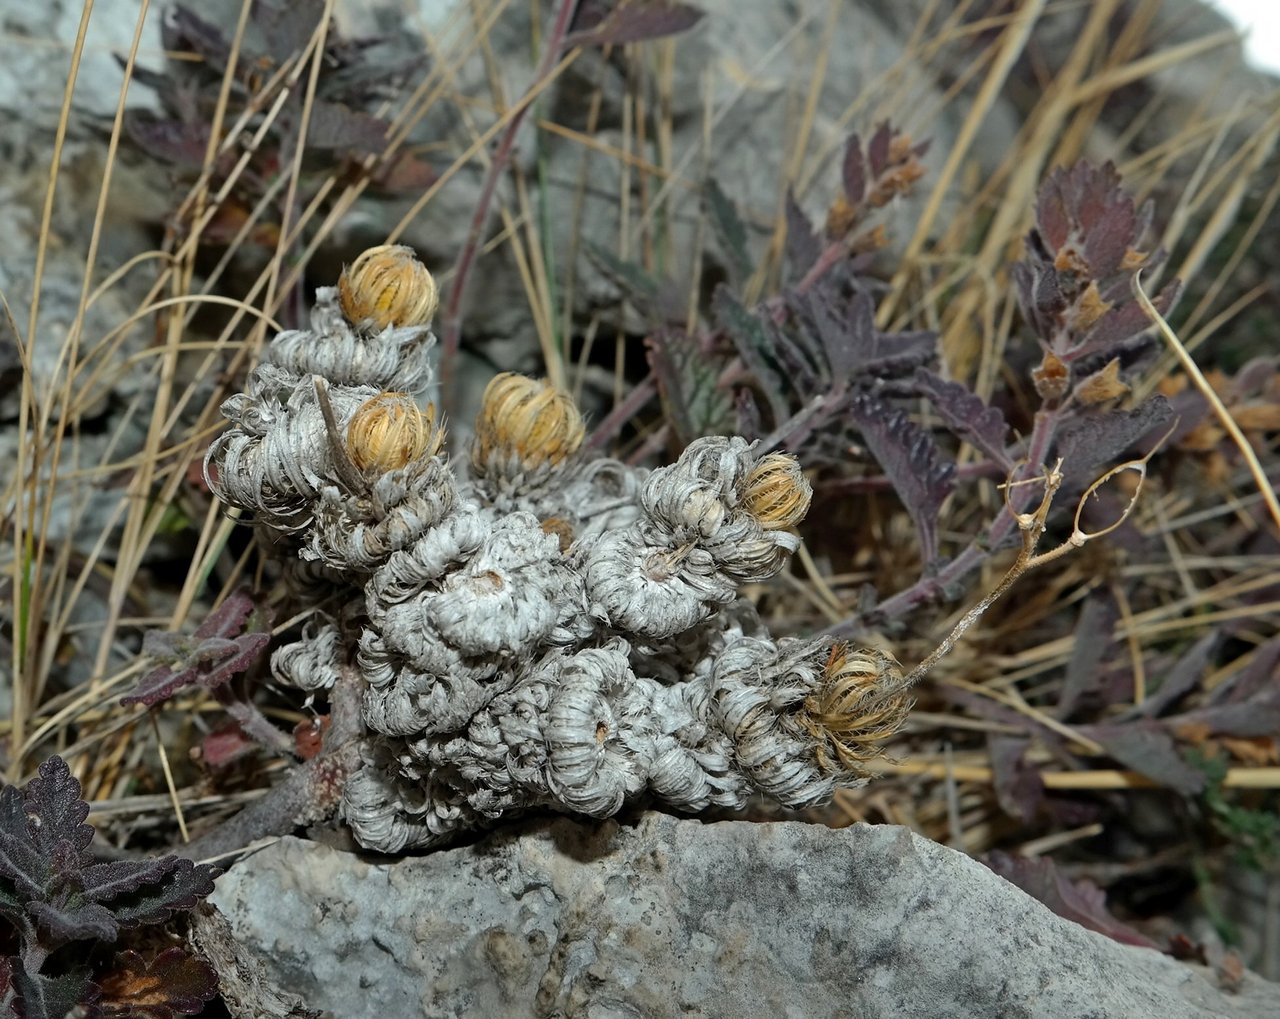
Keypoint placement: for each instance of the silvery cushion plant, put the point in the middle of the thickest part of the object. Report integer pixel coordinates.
(538, 629)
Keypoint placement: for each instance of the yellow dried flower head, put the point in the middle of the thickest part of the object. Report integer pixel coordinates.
(777, 493)
(862, 702)
(388, 431)
(387, 286)
(528, 419)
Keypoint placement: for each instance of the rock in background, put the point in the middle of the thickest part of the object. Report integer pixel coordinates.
(670, 917)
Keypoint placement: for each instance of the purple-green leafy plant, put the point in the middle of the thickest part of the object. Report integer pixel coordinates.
(61, 905)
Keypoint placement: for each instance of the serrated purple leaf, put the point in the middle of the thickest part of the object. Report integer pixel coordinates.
(693, 404)
(847, 334)
(105, 881)
(55, 811)
(250, 647)
(227, 619)
(1078, 901)
(45, 997)
(157, 686)
(908, 456)
(20, 859)
(634, 21)
(965, 414)
(181, 886)
(210, 658)
(1087, 441)
(70, 918)
(1124, 322)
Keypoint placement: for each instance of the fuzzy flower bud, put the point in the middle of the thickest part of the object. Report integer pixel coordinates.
(387, 286)
(389, 431)
(524, 423)
(860, 702)
(777, 493)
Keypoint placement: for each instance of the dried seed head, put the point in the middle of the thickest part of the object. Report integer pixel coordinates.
(528, 420)
(388, 431)
(387, 286)
(861, 702)
(777, 493)
(561, 528)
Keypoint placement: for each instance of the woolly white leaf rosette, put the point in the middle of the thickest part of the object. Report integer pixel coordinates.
(546, 631)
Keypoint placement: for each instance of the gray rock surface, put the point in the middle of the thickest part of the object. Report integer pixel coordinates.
(669, 917)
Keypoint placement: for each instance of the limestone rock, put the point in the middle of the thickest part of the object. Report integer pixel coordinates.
(669, 917)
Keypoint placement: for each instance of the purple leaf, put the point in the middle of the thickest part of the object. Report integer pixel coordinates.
(173, 983)
(1147, 747)
(1019, 788)
(334, 126)
(1124, 322)
(23, 869)
(878, 148)
(69, 918)
(1252, 678)
(803, 245)
(1079, 901)
(288, 26)
(631, 21)
(43, 997)
(853, 171)
(179, 885)
(1087, 441)
(215, 654)
(965, 414)
(1083, 680)
(229, 618)
(1257, 716)
(752, 344)
(55, 811)
(183, 31)
(405, 174)
(692, 402)
(921, 476)
(171, 141)
(730, 231)
(1184, 677)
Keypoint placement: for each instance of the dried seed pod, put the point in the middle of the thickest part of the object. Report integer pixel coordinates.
(387, 286)
(389, 431)
(524, 423)
(861, 702)
(777, 493)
